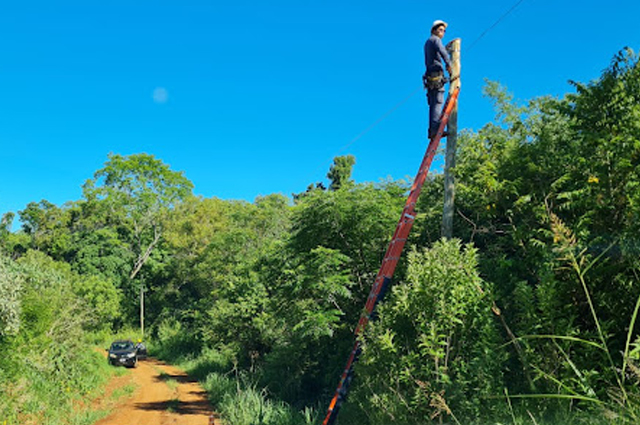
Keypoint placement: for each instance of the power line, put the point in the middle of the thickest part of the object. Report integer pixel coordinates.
(368, 129)
(402, 102)
(507, 13)
(379, 120)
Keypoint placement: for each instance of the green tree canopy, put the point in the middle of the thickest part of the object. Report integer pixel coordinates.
(138, 190)
(340, 171)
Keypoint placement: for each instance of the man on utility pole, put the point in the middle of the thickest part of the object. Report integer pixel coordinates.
(433, 79)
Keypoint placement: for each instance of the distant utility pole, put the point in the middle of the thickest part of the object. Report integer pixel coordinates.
(141, 308)
(453, 47)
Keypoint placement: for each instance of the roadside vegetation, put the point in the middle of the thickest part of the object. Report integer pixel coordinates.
(528, 316)
(48, 370)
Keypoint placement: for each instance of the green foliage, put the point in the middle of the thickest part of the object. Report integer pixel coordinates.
(357, 221)
(340, 171)
(101, 296)
(101, 252)
(575, 159)
(578, 374)
(606, 121)
(433, 350)
(250, 406)
(139, 184)
(10, 287)
(47, 225)
(137, 191)
(305, 312)
(45, 366)
(172, 340)
(6, 222)
(244, 404)
(100, 299)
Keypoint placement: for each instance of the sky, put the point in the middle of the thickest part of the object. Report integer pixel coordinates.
(250, 98)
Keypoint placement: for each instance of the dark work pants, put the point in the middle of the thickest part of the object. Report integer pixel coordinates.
(435, 98)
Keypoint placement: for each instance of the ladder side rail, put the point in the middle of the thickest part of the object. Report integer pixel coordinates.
(403, 227)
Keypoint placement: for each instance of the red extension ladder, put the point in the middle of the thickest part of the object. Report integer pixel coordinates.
(390, 261)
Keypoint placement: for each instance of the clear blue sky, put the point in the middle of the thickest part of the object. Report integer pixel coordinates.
(255, 97)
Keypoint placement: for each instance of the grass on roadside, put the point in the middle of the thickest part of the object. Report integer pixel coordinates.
(61, 398)
(124, 391)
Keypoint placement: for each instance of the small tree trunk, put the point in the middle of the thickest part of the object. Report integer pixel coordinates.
(450, 157)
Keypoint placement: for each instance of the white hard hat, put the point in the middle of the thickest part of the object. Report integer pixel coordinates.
(437, 23)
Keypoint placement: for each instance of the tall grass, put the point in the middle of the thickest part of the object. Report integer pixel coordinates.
(621, 404)
(241, 403)
(60, 398)
(235, 396)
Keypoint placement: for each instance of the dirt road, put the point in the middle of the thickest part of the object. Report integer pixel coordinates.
(164, 395)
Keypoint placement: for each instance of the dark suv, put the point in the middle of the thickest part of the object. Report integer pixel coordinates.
(123, 352)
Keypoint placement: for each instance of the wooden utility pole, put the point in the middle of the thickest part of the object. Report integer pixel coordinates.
(141, 309)
(453, 47)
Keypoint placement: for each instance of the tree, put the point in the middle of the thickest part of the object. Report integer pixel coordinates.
(138, 191)
(358, 223)
(340, 171)
(308, 296)
(5, 223)
(48, 226)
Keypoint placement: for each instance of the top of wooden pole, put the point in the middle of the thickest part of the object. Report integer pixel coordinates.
(453, 47)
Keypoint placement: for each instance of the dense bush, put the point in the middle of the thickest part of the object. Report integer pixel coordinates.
(46, 364)
(434, 350)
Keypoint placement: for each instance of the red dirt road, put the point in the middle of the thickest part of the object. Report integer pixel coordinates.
(164, 395)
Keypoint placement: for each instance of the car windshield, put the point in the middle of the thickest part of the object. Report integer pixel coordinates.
(122, 346)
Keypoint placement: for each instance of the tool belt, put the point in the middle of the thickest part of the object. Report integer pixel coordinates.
(434, 80)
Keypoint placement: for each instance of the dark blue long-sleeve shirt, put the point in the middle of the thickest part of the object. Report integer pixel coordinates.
(434, 54)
